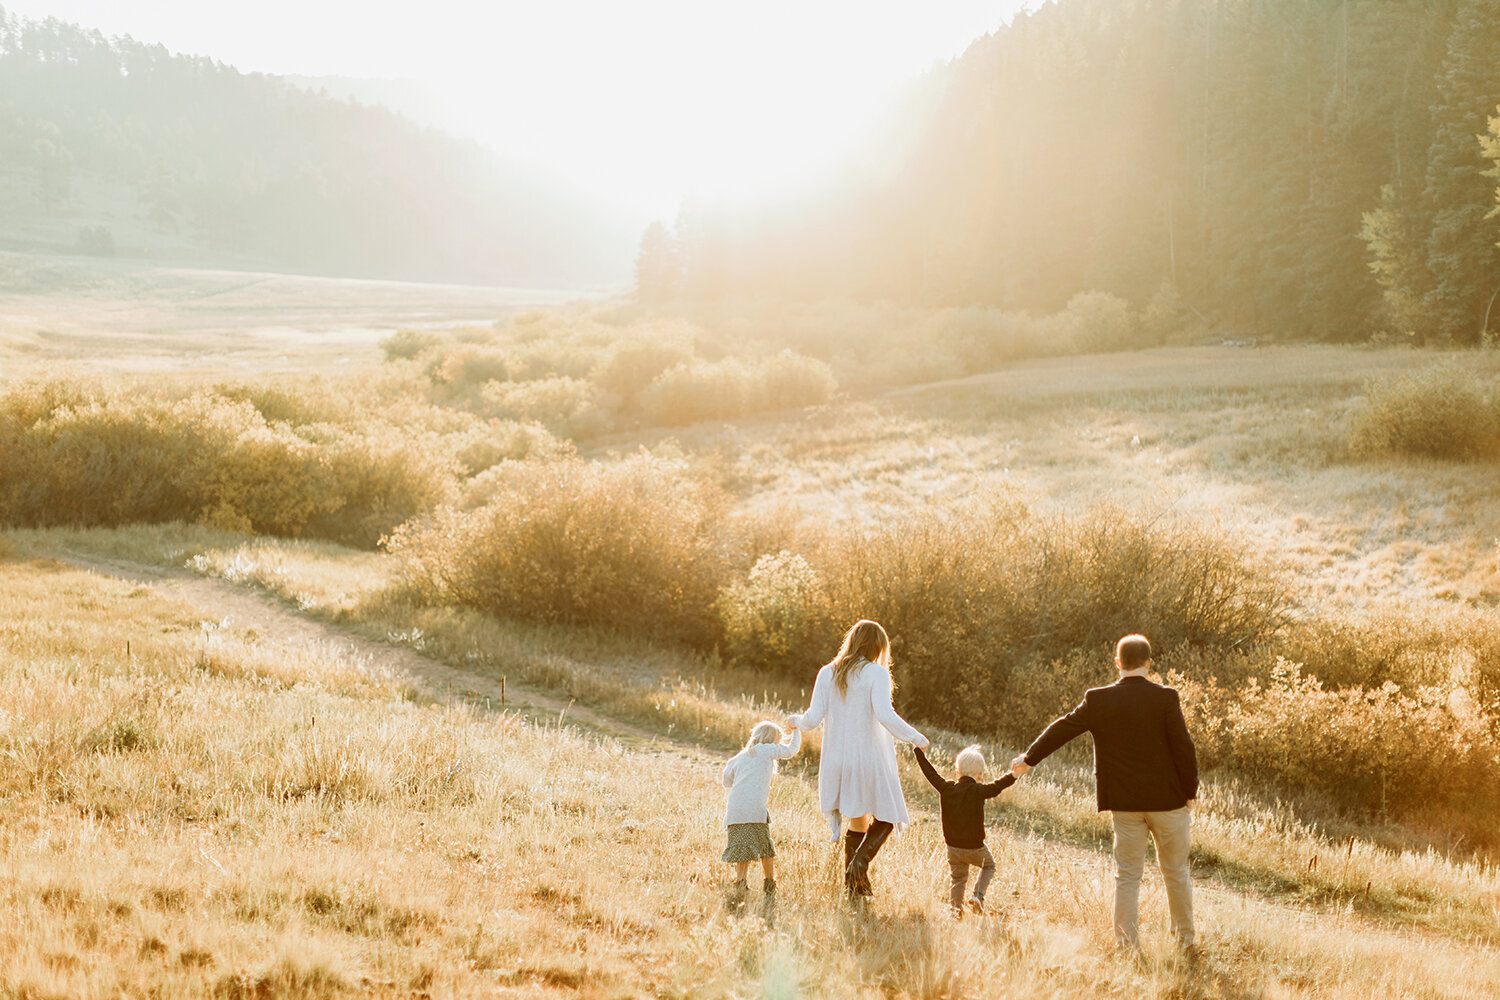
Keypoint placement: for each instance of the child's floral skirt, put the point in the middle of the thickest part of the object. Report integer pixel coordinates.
(749, 842)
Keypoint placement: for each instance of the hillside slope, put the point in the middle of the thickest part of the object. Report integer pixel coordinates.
(117, 147)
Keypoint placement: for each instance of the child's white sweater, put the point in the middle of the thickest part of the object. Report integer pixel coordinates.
(748, 778)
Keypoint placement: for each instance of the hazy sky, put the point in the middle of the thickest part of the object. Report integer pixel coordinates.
(638, 100)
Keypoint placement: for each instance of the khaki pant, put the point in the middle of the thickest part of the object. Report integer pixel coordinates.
(1171, 831)
(959, 860)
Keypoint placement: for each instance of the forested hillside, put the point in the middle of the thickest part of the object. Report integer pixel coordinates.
(1282, 168)
(113, 146)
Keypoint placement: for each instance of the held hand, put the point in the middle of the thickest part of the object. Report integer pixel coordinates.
(922, 742)
(795, 720)
(1018, 766)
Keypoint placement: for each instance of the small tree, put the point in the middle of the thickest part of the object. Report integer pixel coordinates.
(1396, 261)
(1491, 145)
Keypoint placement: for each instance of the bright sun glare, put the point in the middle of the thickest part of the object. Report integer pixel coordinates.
(640, 102)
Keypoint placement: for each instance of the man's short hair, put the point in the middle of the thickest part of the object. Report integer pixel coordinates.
(970, 761)
(1133, 652)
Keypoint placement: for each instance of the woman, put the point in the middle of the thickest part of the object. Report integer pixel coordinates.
(857, 777)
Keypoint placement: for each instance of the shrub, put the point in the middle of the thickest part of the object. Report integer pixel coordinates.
(1002, 607)
(551, 358)
(789, 380)
(690, 393)
(1457, 649)
(379, 482)
(1102, 322)
(1165, 316)
(459, 373)
(1379, 750)
(96, 241)
(629, 546)
(484, 445)
(566, 406)
(984, 339)
(768, 616)
(635, 364)
(105, 458)
(723, 390)
(1443, 411)
(265, 482)
(408, 345)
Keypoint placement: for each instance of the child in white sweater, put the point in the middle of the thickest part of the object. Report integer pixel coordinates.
(748, 778)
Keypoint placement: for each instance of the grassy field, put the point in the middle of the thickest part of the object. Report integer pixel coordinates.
(134, 317)
(1254, 440)
(208, 811)
(201, 803)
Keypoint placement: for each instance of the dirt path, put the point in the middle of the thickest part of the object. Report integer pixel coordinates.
(249, 608)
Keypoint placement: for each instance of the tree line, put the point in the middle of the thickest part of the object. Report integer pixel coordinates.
(1320, 169)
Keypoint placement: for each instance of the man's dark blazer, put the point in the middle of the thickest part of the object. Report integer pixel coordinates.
(1144, 759)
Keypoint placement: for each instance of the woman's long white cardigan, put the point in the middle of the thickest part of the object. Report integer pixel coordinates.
(857, 771)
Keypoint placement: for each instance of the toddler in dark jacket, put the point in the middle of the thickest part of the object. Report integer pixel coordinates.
(963, 821)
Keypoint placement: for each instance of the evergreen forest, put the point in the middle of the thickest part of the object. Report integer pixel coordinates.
(1287, 169)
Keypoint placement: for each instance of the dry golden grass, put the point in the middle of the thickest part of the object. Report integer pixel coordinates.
(575, 887)
(1254, 441)
(1301, 851)
(209, 813)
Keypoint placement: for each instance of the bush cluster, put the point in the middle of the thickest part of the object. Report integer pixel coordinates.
(724, 390)
(1443, 411)
(586, 373)
(75, 453)
(1410, 754)
(632, 547)
(1457, 649)
(580, 378)
(990, 609)
(995, 615)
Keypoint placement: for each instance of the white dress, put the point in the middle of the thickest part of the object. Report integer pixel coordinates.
(857, 771)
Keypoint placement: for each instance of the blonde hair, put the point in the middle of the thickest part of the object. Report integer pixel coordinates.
(970, 761)
(765, 732)
(865, 640)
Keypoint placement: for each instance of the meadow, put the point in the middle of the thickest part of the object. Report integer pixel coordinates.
(546, 500)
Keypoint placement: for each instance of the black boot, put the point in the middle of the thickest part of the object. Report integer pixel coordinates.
(859, 865)
(851, 844)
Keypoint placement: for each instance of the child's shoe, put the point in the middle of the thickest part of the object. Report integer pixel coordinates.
(768, 887)
(976, 905)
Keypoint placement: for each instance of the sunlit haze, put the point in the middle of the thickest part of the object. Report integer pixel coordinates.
(640, 102)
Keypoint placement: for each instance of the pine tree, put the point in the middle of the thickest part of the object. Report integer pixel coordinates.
(1461, 252)
(1490, 143)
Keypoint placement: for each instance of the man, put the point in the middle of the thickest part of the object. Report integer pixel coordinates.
(1145, 774)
